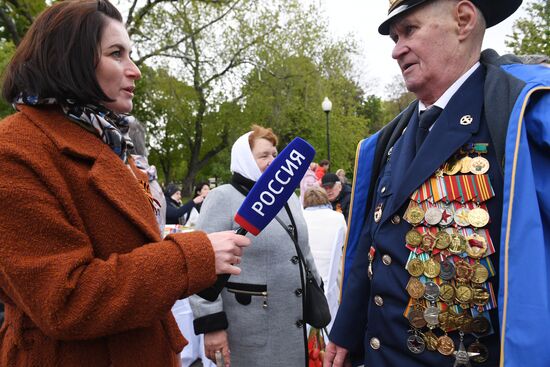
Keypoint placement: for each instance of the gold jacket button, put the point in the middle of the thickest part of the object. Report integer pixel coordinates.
(379, 301)
(374, 343)
(396, 219)
(386, 259)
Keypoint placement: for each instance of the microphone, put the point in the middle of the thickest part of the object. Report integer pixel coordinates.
(267, 197)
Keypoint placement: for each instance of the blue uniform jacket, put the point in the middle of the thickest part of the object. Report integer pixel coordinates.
(516, 110)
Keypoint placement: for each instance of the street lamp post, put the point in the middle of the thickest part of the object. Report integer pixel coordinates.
(327, 107)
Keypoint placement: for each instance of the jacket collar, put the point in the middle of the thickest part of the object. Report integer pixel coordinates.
(118, 183)
(454, 127)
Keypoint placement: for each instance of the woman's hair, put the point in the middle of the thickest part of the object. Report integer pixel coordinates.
(315, 196)
(199, 186)
(260, 132)
(59, 54)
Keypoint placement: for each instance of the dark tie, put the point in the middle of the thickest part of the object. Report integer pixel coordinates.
(427, 118)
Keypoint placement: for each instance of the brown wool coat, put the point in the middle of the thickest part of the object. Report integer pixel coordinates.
(84, 275)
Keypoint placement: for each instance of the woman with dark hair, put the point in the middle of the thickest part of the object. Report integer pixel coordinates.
(84, 275)
(258, 318)
(201, 191)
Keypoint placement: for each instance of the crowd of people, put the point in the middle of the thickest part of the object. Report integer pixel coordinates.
(415, 258)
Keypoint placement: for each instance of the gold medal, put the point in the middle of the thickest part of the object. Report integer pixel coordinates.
(413, 238)
(445, 345)
(447, 293)
(465, 163)
(442, 240)
(464, 294)
(479, 165)
(428, 242)
(445, 319)
(476, 246)
(480, 275)
(431, 340)
(415, 215)
(415, 288)
(463, 272)
(415, 267)
(431, 268)
(452, 167)
(478, 217)
(458, 244)
(480, 296)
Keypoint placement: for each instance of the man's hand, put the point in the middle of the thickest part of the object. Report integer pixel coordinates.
(216, 341)
(336, 356)
(228, 249)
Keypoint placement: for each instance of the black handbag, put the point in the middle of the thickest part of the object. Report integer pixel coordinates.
(316, 310)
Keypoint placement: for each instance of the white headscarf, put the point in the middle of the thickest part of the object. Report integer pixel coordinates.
(242, 160)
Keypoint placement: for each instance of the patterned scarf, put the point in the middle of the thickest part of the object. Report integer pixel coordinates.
(109, 126)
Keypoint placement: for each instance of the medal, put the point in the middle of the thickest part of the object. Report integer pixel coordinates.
(478, 217)
(431, 315)
(476, 246)
(452, 168)
(413, 238)
(416, 344)
(479, 165)
(462, 357)
(378, 213)
(442, 240)
(445, 320)
(447, 293)
(416, 319)
(465, 164)
(464, 271)
(447, 271)
(445, 345)
(414, 215)
(480, 296)
(415, 267)
(466, 323)
(480, 275)
(432, 291)
(481, 350)
(458, 244)
(431, 341)
(461, 217)
(446, 216)
(464, 294)
(415, 288)
(433, 216)
(480, 325)
(428, 242)
(431, 268)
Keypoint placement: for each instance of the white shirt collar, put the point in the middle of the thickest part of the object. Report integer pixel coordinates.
(449, 93)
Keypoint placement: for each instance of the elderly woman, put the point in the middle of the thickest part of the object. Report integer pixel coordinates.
(84, 275)
(258, 316)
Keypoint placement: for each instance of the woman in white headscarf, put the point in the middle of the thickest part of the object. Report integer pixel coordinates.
(259, 316)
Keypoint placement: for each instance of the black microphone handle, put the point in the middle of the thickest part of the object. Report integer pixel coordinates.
(211, 294)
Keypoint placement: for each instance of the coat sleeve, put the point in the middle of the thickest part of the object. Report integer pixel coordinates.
(49, 269)
(216, 215)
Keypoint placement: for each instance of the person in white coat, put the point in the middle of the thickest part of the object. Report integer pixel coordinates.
(326, 232)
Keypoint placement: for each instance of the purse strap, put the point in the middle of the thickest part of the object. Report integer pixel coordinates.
(294, 236)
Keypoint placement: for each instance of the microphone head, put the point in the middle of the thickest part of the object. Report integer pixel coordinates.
(275, 186)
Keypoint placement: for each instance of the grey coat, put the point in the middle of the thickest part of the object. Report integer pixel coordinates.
(268, 331)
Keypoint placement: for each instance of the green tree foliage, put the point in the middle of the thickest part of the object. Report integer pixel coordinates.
(16, 16)
(293, 73)
(531, 35)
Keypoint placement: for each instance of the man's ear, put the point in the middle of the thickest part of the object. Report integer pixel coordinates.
(466, 15)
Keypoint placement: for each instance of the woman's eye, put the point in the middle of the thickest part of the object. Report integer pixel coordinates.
(116, 54)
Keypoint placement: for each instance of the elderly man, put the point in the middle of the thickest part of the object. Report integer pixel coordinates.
(338, 193)
(449, 201)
